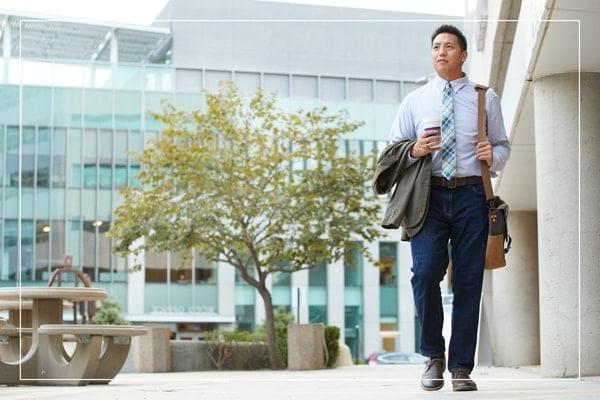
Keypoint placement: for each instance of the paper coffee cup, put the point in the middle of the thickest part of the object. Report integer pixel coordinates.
(431, 124)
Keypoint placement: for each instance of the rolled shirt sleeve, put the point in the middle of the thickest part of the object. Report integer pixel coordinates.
(496, 132)
(403, 127)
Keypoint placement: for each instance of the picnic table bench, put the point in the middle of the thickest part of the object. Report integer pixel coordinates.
(47, 362)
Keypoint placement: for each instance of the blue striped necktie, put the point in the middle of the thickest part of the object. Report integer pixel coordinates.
(448, 134)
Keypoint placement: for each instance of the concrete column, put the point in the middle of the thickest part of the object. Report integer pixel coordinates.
(136, 282)
(556, 151)
(335, 296)
(590, 224)
(406, 308)
(6, 39)
(370, 298)
(299, 280)
(225, 290)
(515, 327)
(114, 47)
(483, 351)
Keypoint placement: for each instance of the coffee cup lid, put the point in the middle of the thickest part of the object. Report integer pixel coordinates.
(428, 122)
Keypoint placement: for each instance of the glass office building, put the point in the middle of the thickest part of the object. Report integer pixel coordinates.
(69, 131)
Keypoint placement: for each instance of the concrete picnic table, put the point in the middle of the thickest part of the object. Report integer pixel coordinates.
(47, 362)
(17, 341)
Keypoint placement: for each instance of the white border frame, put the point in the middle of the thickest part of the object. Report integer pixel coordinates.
(19, 233)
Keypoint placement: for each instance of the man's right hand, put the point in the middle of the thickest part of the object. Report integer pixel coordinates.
(429, 142)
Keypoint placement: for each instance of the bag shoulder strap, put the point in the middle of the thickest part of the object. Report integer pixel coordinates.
(482, 129)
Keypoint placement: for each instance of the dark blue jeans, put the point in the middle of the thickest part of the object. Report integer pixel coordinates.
(460, 216)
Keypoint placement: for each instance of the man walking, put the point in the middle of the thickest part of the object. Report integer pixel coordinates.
(457, 211)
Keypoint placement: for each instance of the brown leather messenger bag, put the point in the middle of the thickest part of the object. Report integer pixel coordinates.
(498, 241)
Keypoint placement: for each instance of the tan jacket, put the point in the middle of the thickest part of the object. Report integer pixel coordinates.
(407, 207)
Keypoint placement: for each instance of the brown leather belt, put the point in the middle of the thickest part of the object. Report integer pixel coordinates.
(456, 182)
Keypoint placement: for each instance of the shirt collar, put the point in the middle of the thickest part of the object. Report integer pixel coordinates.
(456, 84)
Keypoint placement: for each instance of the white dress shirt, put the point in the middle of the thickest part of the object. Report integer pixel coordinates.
(426, 103)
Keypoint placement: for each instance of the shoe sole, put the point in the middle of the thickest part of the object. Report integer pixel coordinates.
(431, 389)
(464, 389)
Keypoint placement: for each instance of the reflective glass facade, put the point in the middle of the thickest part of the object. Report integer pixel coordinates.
(73, 143)
(81, 126)
(317, 294)
(388, 282)
(353, 304)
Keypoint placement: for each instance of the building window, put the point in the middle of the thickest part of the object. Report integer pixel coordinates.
(59, 161)
(317, 294)
(388, 92)
(388, 259)
(28, 173)
(96, 250)
(304, 87)
(188, 80)
(90, 160)
(317, 276)
(9, 255)
(134, 170)
(277, 83)
(206, 271)
(317, 314)
(156, 267)
(360, 90)
(333, 89)
(244, 317)
(180, 271)
(247, 82)
(120, 176)
(73, 241)
(43, 157)
(281, 279)
(353, 270)
(388, 281)
(74, 158)
(281, 290)
(353, 303)
(213, 78)
(57, 247)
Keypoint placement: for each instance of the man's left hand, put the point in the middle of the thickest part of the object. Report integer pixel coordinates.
(483, 151)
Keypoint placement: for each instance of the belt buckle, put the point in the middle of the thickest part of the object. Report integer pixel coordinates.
(452, 183)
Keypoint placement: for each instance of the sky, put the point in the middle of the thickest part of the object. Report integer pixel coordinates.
(143, 12)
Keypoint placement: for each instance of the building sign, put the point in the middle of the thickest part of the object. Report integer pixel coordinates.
(183, 310)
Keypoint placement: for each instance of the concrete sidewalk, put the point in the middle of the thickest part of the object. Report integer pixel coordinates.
(357, 382)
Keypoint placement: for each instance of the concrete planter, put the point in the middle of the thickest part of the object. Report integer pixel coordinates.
(187, 355)
(306, 346)
(152, 353)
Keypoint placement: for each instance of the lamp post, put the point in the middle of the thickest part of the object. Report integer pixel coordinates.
(97, 224)
(45, 230)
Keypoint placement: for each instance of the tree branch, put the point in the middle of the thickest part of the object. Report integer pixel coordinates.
(250, 245)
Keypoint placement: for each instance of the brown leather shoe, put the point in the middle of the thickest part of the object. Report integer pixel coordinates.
(461, 382)
(433, 376)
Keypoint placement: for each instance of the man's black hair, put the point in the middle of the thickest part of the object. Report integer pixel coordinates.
(462, 40)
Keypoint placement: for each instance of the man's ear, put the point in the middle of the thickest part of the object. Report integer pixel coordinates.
(464, 56)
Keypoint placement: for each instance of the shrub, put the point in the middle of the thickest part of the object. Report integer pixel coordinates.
(332, 336)
(282, 319)
(237, 349)
(109, 313)
(234, 336)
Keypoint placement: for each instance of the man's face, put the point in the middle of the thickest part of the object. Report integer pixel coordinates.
(446, 55)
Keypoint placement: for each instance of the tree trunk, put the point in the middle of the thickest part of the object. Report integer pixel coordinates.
(270, 327)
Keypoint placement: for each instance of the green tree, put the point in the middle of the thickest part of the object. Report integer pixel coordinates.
(248, 184)
(109, 313)
(282, 318)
